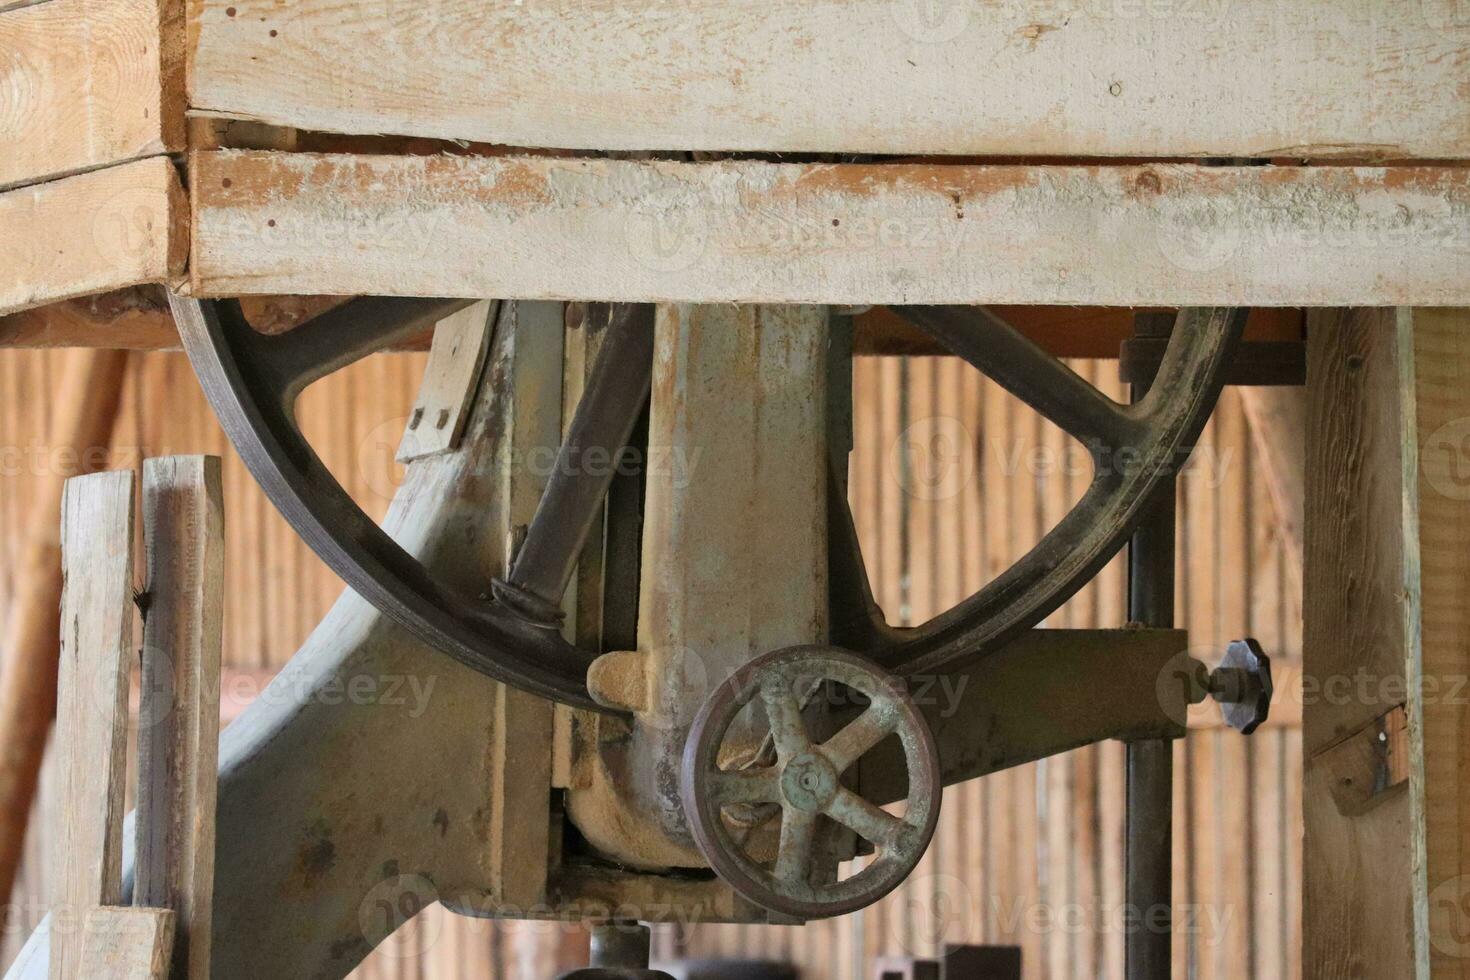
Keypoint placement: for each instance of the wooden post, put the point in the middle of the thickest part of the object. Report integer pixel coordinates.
(87, 400)
(178, 729)
(127, 944)
(1387, 645)
(92, 709)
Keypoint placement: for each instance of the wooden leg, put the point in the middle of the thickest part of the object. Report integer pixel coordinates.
(92, 705)
(1387, 645)
(87, 399)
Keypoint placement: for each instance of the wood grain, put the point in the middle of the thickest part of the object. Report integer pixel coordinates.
(1248, 79)
(179, 714)
(98, 231)
(1364, 891)
(88, 390)
(89, 83)
(92, 709)
(1440, 348)
(598, 229)
(127, 944)
(456, 358)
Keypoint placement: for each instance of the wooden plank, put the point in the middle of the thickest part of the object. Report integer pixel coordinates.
(1249, 79)
(98, 231)
(1364, 885)
(138, 319)
(91, 718)
(1440, 348)
(89, 387)
(753, 232)
(456, 358)
(178, 733)
(89, 83)
(128, 944)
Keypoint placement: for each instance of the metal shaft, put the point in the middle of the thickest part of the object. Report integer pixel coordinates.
(587, 462)
(1150, 841)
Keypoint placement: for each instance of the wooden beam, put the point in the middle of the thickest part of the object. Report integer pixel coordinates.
(89, 387)
(179, 716)
(128, 943)
(94, 232)
(89, 83)
(1387, 645)
(1254, 78)
(91, 719)
(601, 229)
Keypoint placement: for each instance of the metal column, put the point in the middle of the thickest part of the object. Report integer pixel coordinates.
(1149, 921)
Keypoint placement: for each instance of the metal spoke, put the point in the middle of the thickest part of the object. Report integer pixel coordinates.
(784, 714)
(345, 334)
(860, 735)
(606, 414)
(1011, 360)
(732, 786)
(798, 840)
(866, 820)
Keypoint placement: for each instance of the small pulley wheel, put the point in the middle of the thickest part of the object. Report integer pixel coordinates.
(806, 783)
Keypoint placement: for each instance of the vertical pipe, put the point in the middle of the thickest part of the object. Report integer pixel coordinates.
(1150, 841)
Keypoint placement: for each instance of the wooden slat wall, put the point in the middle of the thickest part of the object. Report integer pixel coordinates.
(951, 479)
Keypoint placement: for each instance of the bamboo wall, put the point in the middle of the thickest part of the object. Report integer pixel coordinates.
(950, 481)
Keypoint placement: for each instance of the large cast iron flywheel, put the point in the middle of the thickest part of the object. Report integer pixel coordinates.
(509, 630)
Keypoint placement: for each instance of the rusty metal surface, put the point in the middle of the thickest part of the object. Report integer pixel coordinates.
(806, 782)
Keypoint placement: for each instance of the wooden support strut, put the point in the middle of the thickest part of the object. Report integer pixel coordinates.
(86, 409)
(178, 730)
(92, 707)
(1387, 850)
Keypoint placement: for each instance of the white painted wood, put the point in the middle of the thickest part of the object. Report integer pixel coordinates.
(122, 226)
(178, 730)
(1159, 234)
(1044, 77)
(456, 358)
(92, 704)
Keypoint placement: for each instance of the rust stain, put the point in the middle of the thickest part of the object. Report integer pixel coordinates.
(875, 180)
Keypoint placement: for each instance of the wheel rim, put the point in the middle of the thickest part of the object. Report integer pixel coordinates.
(806, 783)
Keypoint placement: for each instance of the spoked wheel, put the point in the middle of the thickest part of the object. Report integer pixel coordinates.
(1134, 449)
(508, 630)
(253, 381)
(806, 783)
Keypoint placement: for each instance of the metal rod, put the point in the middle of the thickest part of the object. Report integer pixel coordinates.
(587, 462)
(1150, 838)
